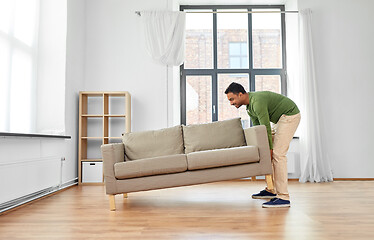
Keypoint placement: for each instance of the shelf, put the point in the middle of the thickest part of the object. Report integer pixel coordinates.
(99, 94)
(92, 160)
(101, 137)
(105, 115)
(114, 115)
(117, 94)
(92, 115)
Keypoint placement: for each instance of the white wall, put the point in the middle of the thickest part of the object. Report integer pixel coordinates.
(116, 59)
(75, 65)
(343, 38)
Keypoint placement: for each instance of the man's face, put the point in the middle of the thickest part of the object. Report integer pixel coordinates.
(235, 99)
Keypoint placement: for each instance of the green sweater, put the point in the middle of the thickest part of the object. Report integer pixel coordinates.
(265, 107)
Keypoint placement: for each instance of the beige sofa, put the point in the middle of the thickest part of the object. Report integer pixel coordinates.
(185, 155)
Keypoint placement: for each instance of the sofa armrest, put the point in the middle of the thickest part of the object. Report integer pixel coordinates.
(112, 153)
(257, 136)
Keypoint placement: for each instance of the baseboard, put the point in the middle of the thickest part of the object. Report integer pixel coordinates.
(353, 179)
(18, 202)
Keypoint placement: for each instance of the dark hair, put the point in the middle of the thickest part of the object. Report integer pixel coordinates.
(235, 88)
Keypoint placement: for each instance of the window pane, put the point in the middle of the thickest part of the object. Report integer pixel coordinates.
(267, 40)
(235, 62)
(199, 40)
(198, 99)
(244, 49)
(20, 93)
(234, 48)
(244, 62)
(25, 21)
(268, 83)
(232, 29)
(225, 110)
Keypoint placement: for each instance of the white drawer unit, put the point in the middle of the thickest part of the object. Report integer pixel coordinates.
(92, 172)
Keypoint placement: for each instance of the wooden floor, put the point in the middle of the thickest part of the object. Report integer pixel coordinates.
(225, 210)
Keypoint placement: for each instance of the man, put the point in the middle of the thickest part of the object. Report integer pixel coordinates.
(263, 108)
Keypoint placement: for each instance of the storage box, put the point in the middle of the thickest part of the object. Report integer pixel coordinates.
(92, 172)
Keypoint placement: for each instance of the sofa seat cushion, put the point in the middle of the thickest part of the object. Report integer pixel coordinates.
(151, 166)
(155, 143)
(222, 157)
(215, 135)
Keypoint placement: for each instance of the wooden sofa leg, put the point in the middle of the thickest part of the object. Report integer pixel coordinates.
(112, 202)
(269, 181)
(125, 195)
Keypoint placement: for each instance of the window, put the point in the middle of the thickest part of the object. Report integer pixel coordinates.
(230, 47)
(32, 66)
(18, 47)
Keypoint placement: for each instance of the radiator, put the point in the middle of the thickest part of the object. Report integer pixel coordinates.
(28, 178)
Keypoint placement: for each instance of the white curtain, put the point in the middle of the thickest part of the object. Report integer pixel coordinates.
(315, 165)
(165, 33)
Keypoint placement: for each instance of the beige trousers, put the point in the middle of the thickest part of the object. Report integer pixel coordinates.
(283, 133)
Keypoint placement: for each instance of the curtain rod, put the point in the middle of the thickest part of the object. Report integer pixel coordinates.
(139, 14)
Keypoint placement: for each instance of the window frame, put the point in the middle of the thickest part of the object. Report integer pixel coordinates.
(213, 72)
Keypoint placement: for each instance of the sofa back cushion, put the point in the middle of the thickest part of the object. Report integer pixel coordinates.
(156, 143)
(215, 135)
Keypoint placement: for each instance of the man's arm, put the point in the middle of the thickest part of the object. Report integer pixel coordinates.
(255, 121)
(263, 119)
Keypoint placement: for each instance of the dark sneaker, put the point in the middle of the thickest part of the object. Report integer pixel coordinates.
(276, 203)
(264, 195)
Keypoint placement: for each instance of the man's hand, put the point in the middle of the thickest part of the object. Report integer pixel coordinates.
(271, 154)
